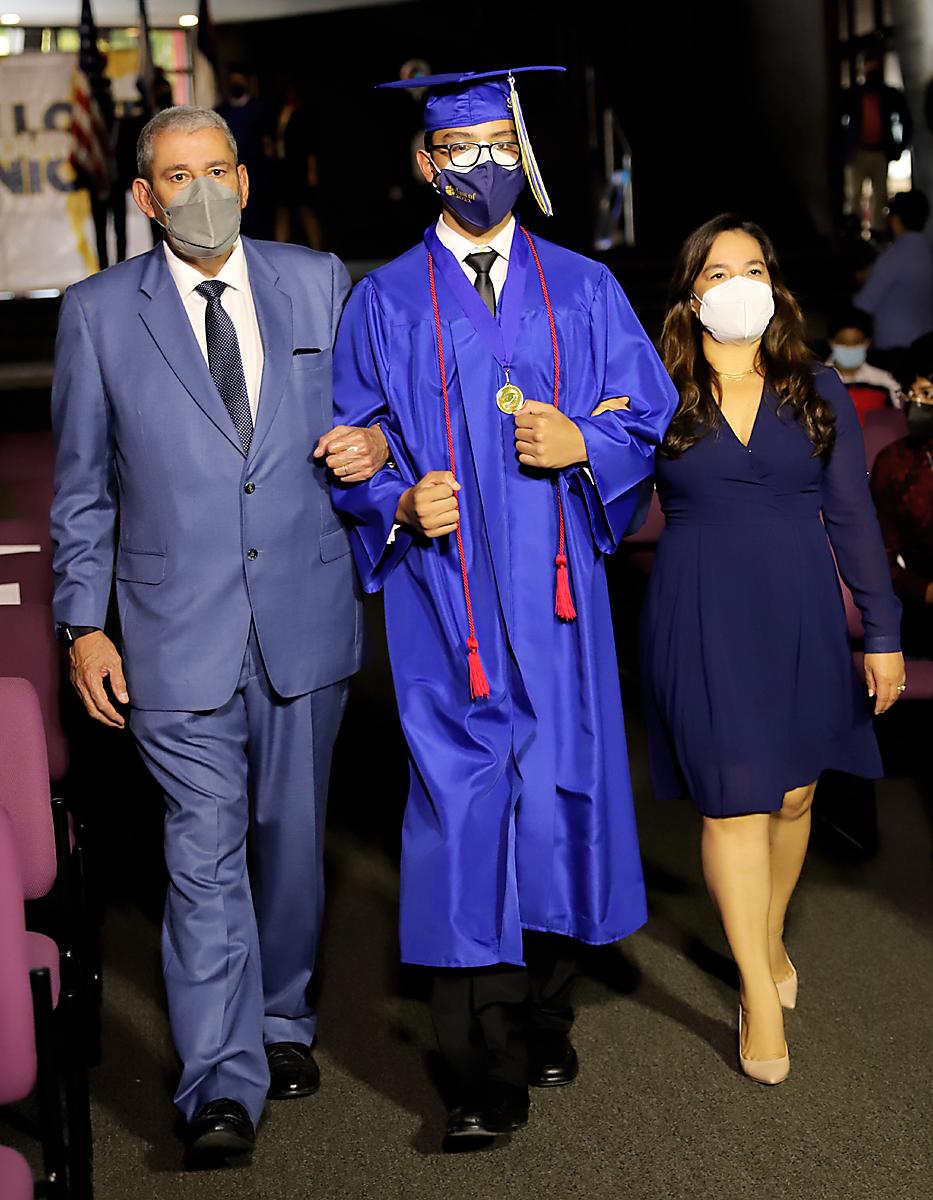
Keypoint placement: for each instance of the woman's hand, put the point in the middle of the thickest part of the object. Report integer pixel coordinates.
(613, 404)
(354, 454)
(885, 676)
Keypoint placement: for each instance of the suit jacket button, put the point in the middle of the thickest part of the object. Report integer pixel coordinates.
(251, 554)
(249, 488)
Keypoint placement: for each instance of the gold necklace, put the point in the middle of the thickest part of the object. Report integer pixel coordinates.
(736, 377)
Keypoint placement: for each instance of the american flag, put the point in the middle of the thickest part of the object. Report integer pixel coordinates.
(91, 113)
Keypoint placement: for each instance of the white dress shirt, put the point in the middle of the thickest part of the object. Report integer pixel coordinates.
(237, 300)
(460, 247)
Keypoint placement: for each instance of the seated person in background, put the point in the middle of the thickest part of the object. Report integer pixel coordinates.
(849, 333)
(902, 486)
(898, 292)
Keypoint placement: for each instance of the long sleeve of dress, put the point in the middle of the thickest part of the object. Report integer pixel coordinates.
(620, 444)
(852, 524)
(361, 398)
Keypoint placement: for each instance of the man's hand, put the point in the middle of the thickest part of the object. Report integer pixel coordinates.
(92, 659)
(431, 506)
(547, 439)
(353, 453)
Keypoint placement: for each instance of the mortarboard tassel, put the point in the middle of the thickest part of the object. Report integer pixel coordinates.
(529, 162)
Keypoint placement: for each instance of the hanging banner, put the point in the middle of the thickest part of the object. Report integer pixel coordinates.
(46, 232)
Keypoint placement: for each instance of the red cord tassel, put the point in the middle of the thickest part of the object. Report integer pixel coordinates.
(479, 684)
(563, 604)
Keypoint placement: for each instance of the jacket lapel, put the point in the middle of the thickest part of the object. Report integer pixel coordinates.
(274, 310)
(164, 316)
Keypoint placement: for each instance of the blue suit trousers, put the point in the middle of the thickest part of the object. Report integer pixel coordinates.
(246, 793)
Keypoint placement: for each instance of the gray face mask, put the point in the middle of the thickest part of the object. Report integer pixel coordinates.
(203, 220)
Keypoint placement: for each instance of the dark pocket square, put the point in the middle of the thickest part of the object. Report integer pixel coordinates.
(307, 350)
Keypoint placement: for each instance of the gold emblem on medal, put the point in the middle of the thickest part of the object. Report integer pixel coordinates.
(510, 398)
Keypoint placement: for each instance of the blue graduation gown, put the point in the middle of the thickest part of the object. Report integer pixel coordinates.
(520, 808)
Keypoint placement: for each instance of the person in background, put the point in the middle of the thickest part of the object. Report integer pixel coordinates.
(870, 387)
(750, 687)
(163, 95)
(245, 113)
(898, 292)
(295, 173)
(878, 128)
(902, 487)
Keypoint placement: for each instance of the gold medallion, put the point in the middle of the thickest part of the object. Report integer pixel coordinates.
(510, 398)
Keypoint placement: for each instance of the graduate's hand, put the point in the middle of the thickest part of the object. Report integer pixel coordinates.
(546, 438)
(93, 658)
(613, 404)
(353, 453)
(431, 506)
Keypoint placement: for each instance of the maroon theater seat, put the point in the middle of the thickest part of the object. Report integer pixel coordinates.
(26, 456)
(32, 570)
(28, 650)
(26, 1038)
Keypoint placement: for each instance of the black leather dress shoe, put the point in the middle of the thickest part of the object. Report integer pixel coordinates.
(220, 1129)
(505, 1107)
(466, 1121)
(292, 1070)
(552, 1060)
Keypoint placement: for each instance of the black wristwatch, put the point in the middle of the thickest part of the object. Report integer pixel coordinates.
(69, 634)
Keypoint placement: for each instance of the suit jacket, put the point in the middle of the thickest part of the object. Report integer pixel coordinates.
(151, 478)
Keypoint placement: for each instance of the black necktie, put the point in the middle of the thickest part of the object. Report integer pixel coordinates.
(481, 262)
(223, 358)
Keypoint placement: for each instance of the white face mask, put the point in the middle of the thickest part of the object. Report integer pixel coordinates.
(737, 311)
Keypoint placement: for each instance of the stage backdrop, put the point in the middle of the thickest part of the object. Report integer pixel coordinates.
(47, 238)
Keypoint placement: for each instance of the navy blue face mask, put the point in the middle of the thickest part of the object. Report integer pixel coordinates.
(482, 196)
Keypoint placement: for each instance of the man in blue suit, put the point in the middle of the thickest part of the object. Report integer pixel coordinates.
(191, 386)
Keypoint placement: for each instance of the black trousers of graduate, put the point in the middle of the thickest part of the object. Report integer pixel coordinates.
(485, 1016)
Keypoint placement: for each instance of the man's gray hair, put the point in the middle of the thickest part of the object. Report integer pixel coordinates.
(183, 118)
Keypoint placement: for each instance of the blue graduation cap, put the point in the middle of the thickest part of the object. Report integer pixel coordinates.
(464, 98)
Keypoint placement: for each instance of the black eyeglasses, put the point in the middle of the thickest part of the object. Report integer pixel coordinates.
(464, 155)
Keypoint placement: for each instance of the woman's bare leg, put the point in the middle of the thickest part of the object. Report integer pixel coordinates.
(789, 836)
(737, 868)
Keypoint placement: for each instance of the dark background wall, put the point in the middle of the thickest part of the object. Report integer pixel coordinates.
(728, 104)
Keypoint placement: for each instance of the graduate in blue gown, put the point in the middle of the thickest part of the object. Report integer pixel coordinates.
(522, 403)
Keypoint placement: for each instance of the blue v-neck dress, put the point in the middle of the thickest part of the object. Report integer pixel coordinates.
(750, 684)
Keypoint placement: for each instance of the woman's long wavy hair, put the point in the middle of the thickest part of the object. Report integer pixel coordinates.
(786, 361)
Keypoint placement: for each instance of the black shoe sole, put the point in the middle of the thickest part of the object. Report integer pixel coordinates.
(519, 1123)
(552, 1083)
(220, 1144)
(464, 1135)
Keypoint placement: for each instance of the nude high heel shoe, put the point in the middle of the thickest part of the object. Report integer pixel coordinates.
(770, 1071)
(787, 989)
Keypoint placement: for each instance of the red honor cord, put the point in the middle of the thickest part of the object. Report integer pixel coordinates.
(563, 605)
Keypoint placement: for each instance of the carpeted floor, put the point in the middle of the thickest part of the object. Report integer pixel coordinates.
(659, 1111)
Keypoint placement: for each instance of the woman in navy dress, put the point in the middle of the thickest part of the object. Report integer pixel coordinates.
(750, 682)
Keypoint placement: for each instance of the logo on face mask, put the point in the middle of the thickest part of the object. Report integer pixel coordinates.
(466, 197)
